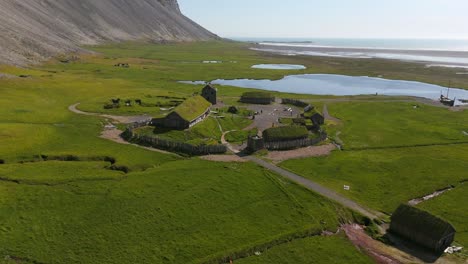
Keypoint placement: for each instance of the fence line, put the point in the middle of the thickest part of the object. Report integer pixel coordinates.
(297, 143)
(294, 102)
(170, 145)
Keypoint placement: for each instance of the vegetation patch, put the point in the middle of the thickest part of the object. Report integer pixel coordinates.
(285, 133)
(192, 108)
(240, 136)
(450, 206)
(383, 179)
(380, 125)
(57, 172)
(316, 249)
(142, 215)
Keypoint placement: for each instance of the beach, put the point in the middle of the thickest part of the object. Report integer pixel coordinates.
(434, 58)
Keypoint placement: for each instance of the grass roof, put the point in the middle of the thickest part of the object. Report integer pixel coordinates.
(311, 113)
(257, 95)
(419, 221)
(192, 108)
(285, 133)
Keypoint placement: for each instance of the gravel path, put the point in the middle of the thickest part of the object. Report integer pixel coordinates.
(113, 134)
(312, 151)
(327, 115)
(316, 188)
(223, 158)
(119, 119)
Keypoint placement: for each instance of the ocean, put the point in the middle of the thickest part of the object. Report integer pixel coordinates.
(398, 44)
(433, 52)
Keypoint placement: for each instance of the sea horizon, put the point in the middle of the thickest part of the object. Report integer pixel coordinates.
(435, 44)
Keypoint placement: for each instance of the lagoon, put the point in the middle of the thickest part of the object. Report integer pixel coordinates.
(341, 85)
(279, 67)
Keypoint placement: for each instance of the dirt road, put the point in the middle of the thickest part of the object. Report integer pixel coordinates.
(112, 133)
(316, 188)
(119, 119)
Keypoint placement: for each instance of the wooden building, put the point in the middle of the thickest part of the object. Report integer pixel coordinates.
(317, 119)
(422, 228)
(210, 94)
(191, 112)
(257, 98)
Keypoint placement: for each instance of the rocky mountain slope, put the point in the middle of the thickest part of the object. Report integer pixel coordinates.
(33, 30)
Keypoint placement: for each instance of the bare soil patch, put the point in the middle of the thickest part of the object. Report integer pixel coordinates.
(223, 158)
(313, 151)
(119, 119)
(380, 252)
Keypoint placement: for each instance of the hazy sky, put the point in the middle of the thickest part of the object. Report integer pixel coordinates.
(331, 18)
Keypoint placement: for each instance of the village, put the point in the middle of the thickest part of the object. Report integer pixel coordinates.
(281, 126)
(273, 124)
(233, 132)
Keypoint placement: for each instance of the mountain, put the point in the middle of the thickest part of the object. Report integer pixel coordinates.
(34, 30)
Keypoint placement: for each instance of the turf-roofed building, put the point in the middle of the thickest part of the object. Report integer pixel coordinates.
(191, 112)
(422, 228)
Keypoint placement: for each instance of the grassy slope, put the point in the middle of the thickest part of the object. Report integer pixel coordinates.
(179, 212)
(326, 250)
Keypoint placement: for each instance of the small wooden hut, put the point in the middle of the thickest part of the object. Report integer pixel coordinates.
(210, 94)
(422, 228)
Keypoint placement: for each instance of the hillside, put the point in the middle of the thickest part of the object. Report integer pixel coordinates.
(35, 30)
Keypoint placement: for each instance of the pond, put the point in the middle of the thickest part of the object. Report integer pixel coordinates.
(279, 67)
(340, 85)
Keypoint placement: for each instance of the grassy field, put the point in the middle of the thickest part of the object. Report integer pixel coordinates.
(452, 207)
(285, 133)
(335, 249)
(167, 209)
(383, 179)
(162, 215)
(380, 125)
(240, 136)
(207, 132)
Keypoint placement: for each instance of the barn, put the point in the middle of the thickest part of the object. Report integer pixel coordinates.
(422, 228)
(191, 112)
(210, 94)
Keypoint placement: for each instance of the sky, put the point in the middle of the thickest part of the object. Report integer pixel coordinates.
(431, 19)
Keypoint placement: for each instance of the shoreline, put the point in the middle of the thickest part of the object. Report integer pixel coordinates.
(439, 57)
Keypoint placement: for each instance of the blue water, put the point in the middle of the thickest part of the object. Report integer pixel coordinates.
(279, 67)
(340, 85)
(411, 44)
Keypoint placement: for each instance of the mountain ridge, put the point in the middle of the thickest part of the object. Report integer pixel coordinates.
(35, 30)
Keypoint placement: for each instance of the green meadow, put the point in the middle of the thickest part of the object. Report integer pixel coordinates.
(394, 152)
(368, 125)
(182, 211)
(452, 206)
(69, 196)
(333, 249)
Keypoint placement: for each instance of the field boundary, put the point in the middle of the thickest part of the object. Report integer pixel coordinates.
(408, 146)
(249, 251)
(170, 145)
